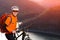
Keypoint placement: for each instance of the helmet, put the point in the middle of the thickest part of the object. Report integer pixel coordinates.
(15, 8)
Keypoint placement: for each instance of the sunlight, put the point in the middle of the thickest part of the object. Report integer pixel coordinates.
(47, 3)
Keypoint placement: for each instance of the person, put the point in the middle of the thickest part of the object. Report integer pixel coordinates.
(11, 23)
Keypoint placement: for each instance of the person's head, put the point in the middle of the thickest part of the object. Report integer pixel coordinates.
(15, 10)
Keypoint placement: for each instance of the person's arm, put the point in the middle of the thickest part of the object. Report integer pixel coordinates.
(8, 20)
(7, 23)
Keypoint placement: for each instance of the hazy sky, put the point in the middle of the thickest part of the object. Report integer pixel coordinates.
(28, 4)
(47, 3)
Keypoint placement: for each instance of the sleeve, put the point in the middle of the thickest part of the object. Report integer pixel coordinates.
(7, 22)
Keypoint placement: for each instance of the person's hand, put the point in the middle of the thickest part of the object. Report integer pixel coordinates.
(20, 23)
(13, 31)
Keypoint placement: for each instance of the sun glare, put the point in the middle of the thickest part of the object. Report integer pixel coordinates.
(47, 3)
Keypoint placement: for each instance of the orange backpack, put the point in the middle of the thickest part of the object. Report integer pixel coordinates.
(2, 22)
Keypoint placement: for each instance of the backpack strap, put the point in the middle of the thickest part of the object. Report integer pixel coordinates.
(10, 19)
